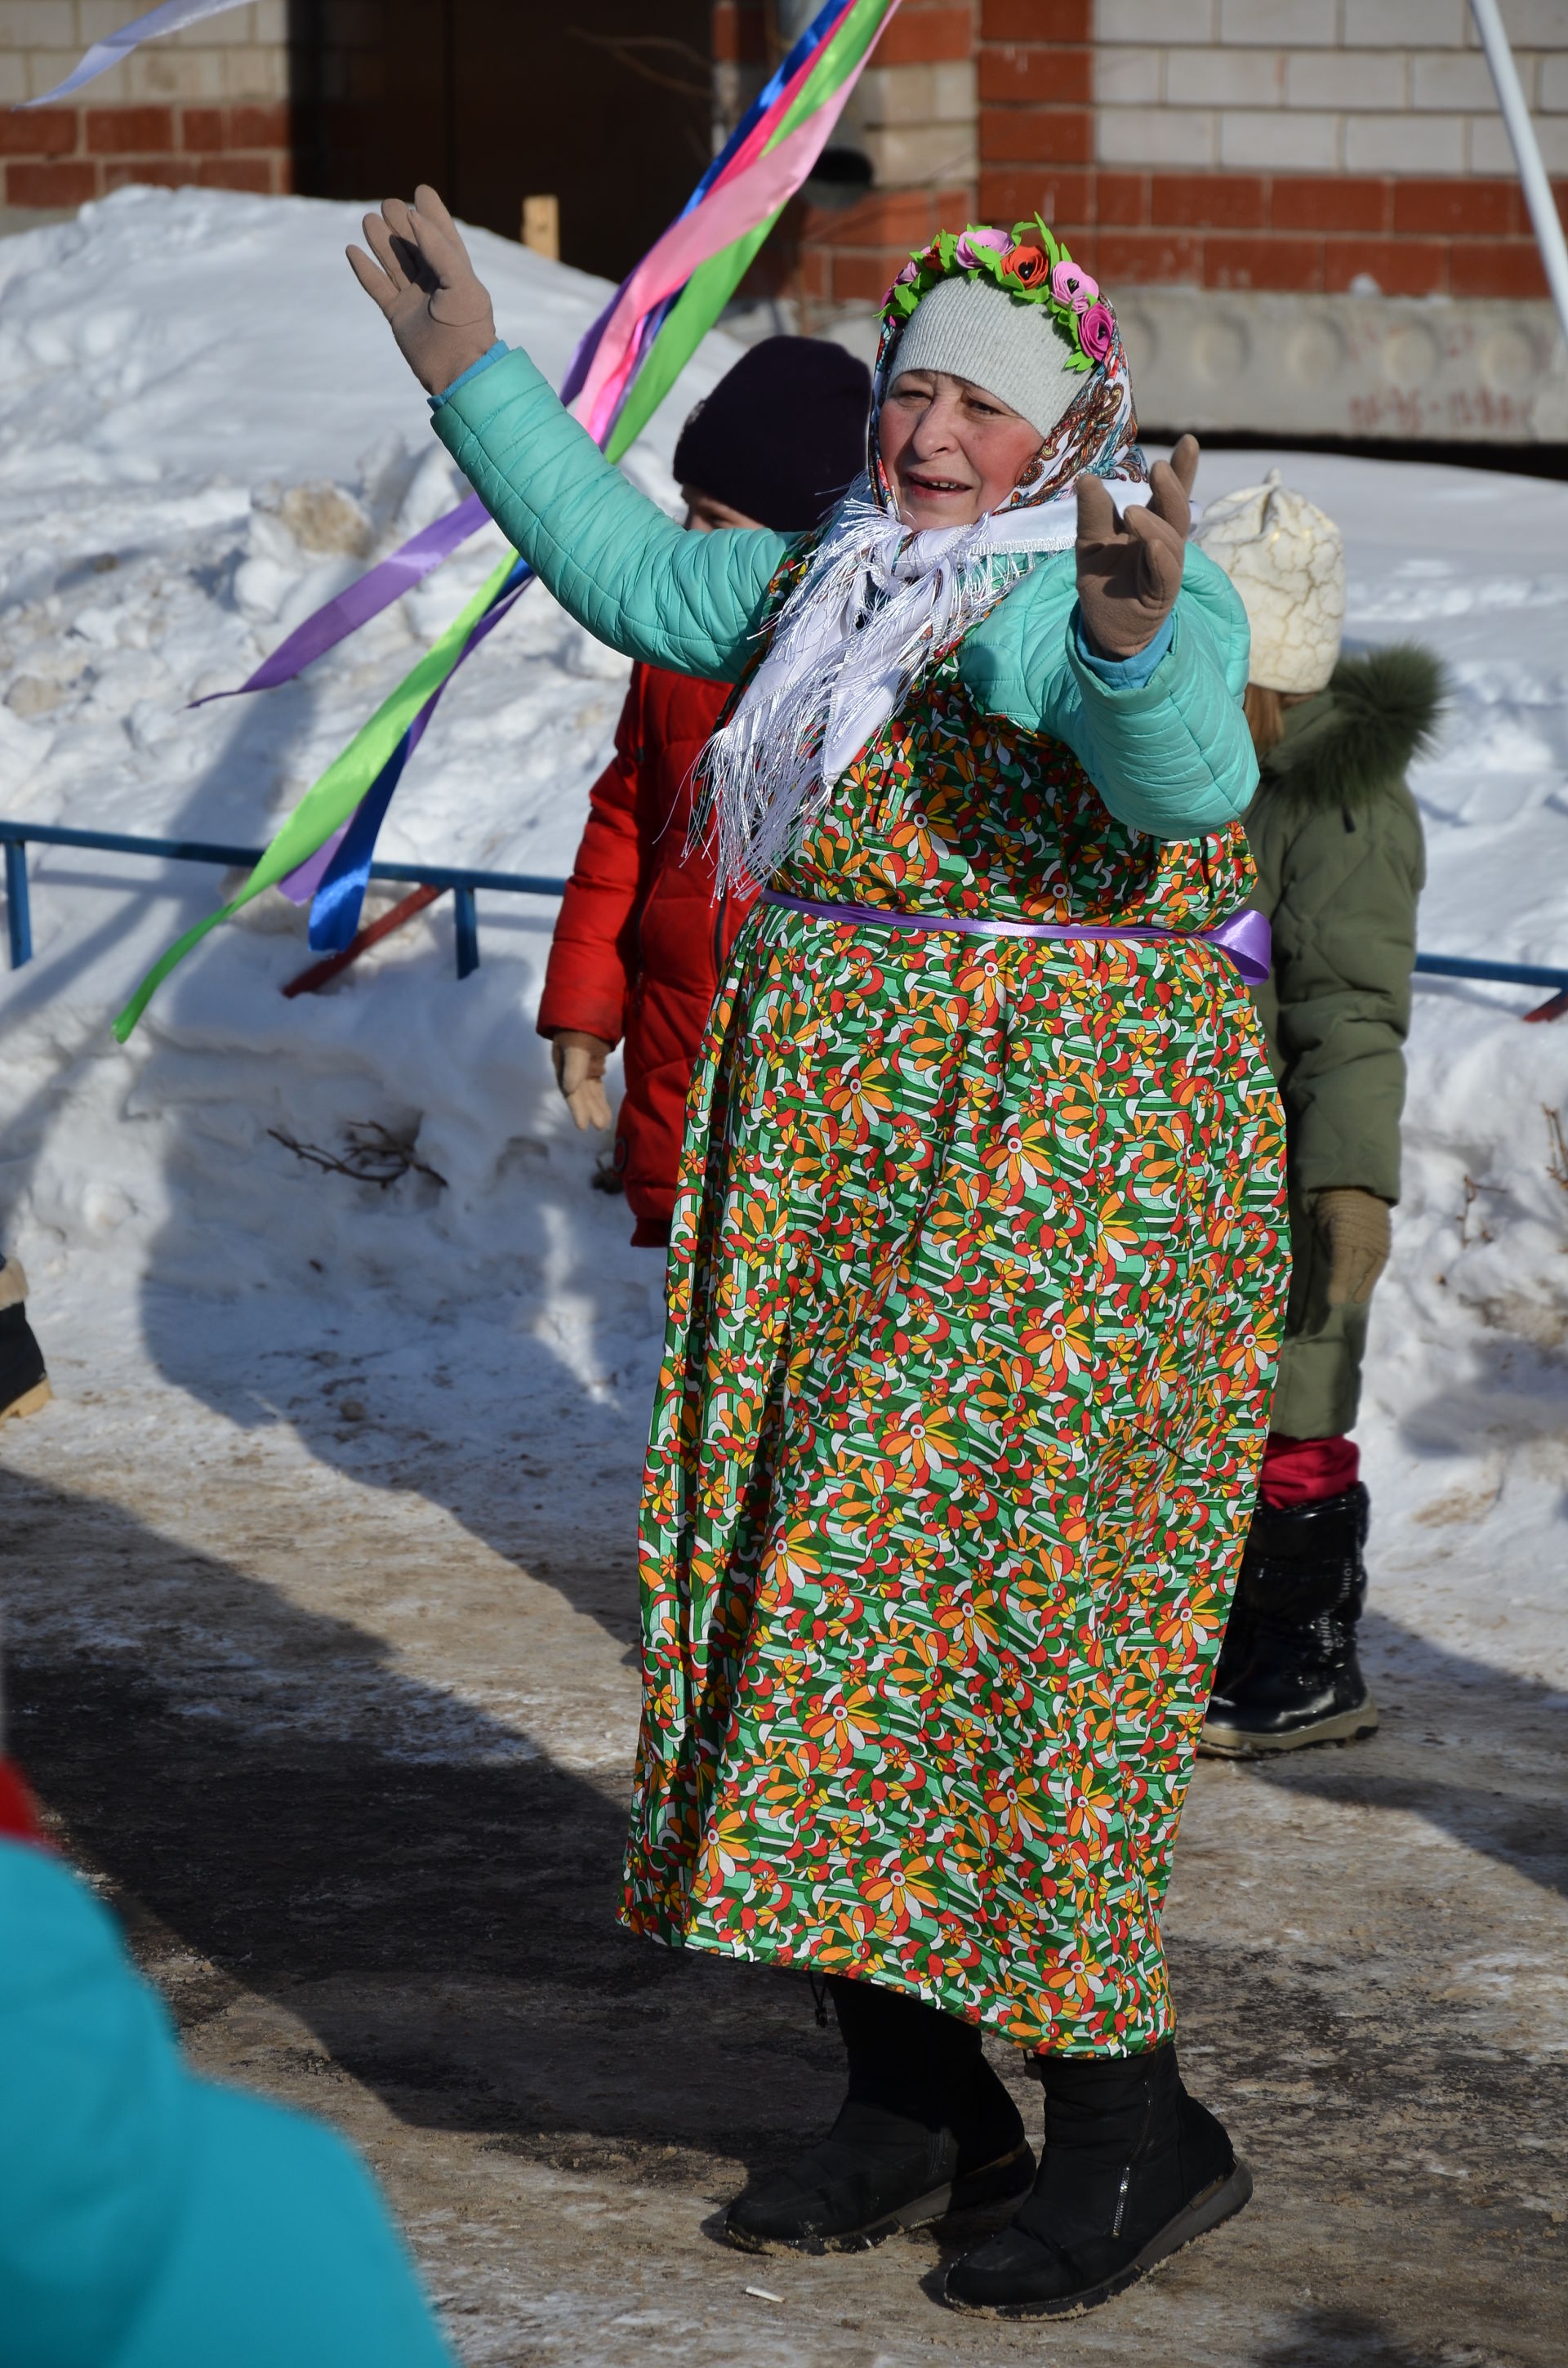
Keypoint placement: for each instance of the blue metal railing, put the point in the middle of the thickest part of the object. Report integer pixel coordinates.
(16, 836)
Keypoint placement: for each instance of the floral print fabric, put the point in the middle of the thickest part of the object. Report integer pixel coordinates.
(975, 1288)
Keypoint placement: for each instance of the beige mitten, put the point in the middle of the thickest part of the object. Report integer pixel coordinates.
(425, 285)
(1356, 1226)
(579, 1067)
(1130, 566)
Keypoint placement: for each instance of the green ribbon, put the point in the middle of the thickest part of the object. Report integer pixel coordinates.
(334, 796)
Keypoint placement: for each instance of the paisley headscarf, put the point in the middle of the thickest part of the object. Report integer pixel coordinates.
(880, 602)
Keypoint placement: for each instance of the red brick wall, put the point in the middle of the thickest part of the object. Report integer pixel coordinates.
(1294, 231)
(60, 156)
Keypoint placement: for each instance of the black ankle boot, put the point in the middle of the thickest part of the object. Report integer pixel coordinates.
(24, 1385)
(1133, 2168)
(926, 2129)
(1296, 1678)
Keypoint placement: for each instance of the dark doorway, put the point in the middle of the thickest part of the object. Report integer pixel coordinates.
(604, 102)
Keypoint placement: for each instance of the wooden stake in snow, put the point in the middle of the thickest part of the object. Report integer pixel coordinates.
(1527, 151)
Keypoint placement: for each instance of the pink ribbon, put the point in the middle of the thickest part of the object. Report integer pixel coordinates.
(734, 206)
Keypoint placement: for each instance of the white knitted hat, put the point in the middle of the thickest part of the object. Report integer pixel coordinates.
(974, 330)
(1287, 560)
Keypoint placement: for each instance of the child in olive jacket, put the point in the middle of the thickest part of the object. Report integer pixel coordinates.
(1338, 844)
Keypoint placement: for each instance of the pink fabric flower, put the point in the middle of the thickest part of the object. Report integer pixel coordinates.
(1071, 285)
(1096, 327)
(974, 244)
(910, 273)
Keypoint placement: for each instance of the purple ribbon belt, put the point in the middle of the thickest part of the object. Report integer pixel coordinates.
(1242, 936)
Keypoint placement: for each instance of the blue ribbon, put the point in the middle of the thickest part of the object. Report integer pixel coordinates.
(337, 902)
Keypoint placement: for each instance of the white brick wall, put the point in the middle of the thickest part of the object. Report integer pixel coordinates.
(1321, 86)
(238, 56)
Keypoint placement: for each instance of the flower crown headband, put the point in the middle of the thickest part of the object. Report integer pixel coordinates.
(1030, 264)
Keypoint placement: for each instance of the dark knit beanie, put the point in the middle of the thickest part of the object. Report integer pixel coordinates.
(782, 434)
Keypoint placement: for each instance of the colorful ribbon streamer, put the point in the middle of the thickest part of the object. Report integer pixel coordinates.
(624, 366)
(172, 18)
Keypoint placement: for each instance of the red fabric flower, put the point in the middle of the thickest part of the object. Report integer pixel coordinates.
(1027, 265)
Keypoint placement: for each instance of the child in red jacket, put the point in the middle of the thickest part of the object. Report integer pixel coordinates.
(641, 938)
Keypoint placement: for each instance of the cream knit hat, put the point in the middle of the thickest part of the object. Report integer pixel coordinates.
(1287, 560)
(975, 330)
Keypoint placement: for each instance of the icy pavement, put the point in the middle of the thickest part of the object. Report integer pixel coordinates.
(318, 1575)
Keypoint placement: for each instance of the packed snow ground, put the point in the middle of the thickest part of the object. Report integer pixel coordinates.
(355, 1468)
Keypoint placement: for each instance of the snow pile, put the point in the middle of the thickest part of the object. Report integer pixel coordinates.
(206, 431)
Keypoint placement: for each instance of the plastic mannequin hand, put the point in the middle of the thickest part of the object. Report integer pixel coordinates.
(425, 285)
(1356, 1226)
(1129, 567)
(579, 1066)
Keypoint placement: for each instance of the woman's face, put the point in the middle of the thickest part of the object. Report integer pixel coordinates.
(951, 451)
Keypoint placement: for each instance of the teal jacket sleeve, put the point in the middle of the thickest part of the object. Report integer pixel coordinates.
(635, 579)
(1171, 754)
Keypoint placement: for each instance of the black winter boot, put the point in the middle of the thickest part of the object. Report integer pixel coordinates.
(1301, 1592)
(926, 2129)
(1134, 2170)
(24, 1385)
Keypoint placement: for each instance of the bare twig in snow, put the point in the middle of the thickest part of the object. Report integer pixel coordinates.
(372, 1153)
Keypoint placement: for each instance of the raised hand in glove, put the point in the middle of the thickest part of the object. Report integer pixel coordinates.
(1130, 566)
(579, 1068)
(425, 284)
(1356, 1226)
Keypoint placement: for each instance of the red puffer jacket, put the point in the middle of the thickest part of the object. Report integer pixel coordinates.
(640, 940)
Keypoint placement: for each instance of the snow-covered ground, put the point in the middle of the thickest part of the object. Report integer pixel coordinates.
(206, 430)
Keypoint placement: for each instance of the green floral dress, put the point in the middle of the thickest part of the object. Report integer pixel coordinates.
(976, 1282)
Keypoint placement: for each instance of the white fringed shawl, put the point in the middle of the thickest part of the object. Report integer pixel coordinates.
(877, 604)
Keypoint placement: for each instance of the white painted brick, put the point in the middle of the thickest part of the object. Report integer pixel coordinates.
(1458, 83)
(1287, 24)
(916, 154)
(1405, 24)
(954, 93)
(44, 68)
(1553, 88)
(918, 94)
(272, 20)
(1225, 78)
(38, 25)
(1142, 22)
(1286, 141)
(163, 70)
(256, 73)
(1347, 79)
(1404, 144)
(235, 27)
(895, 95)
(1128, 77)
(96, 20)
(1536, 24)
(13, 78)
(1491, 151)
(1154, 135)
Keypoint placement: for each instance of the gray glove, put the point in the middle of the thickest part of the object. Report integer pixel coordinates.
(1359, 1236)
(425, 284)
(1129, 567)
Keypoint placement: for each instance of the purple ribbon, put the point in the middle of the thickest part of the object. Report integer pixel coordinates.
(1242, 936)
(362, 599)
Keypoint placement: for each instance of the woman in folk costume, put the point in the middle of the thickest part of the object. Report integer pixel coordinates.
(978, 1256)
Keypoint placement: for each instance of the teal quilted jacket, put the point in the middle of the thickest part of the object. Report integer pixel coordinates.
(1171, 756)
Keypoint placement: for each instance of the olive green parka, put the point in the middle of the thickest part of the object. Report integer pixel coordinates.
(1341, 862)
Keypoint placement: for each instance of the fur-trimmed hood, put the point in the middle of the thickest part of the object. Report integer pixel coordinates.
(1361, 734)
